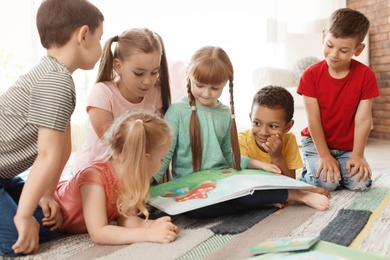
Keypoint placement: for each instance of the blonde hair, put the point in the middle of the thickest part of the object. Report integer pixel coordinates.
(210, 65)
(128, 140)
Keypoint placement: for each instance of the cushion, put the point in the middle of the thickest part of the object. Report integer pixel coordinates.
(301, 65)
(265, 76)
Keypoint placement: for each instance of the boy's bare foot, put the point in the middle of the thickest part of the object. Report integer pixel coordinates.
(319, 190)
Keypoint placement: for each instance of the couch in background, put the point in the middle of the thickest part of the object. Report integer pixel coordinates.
(265, 76)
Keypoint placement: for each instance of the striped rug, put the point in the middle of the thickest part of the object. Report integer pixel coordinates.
(358, 220)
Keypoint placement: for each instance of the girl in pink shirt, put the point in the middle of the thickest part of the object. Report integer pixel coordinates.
(116, 185)
(134, 76)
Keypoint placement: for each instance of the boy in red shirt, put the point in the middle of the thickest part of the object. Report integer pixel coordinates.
(338, 93)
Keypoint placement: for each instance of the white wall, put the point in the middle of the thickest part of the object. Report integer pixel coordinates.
(252, 32)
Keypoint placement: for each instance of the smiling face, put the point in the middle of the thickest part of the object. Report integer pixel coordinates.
(338, 52)
(206, 95)
(267, 122)
(138, 75)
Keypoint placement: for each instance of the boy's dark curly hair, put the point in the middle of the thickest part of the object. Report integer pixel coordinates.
(275, 97)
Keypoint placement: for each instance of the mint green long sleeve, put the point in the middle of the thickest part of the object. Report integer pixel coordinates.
(215, 133)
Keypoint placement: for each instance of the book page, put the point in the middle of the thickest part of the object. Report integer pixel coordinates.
(205, 188)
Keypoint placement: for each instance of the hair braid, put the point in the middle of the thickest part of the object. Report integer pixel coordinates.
(195, 138)
(233, 131)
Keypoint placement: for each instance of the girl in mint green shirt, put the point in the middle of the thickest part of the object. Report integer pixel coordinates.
(204, 135)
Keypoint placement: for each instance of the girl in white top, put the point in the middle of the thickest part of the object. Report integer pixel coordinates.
(134, 76)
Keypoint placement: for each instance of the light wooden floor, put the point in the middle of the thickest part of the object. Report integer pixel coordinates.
(377, 153)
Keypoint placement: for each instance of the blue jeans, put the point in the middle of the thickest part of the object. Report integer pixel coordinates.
(10, 191)
(310, 157)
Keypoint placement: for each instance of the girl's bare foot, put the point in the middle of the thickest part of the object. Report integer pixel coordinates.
(315, 200)
(278, 205)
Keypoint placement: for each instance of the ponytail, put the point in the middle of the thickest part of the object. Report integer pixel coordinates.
(106, 71)
(164, 79)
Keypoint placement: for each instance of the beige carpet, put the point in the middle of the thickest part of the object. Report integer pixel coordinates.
(199, 239)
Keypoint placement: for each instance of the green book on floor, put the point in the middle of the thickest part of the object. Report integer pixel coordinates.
(322, 250)
(288, 243)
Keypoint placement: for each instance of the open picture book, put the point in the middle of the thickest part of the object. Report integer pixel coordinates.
(209, 187)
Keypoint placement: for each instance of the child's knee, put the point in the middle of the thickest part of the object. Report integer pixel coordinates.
(327, 185)
(361, 185)
(319, 182)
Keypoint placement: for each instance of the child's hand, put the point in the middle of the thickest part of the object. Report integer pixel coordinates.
(328, 165)
(269, 167)
(273, 146)
(162, 230)
(51, 211)
(28, 235)
(255, 164)
(360, 166)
